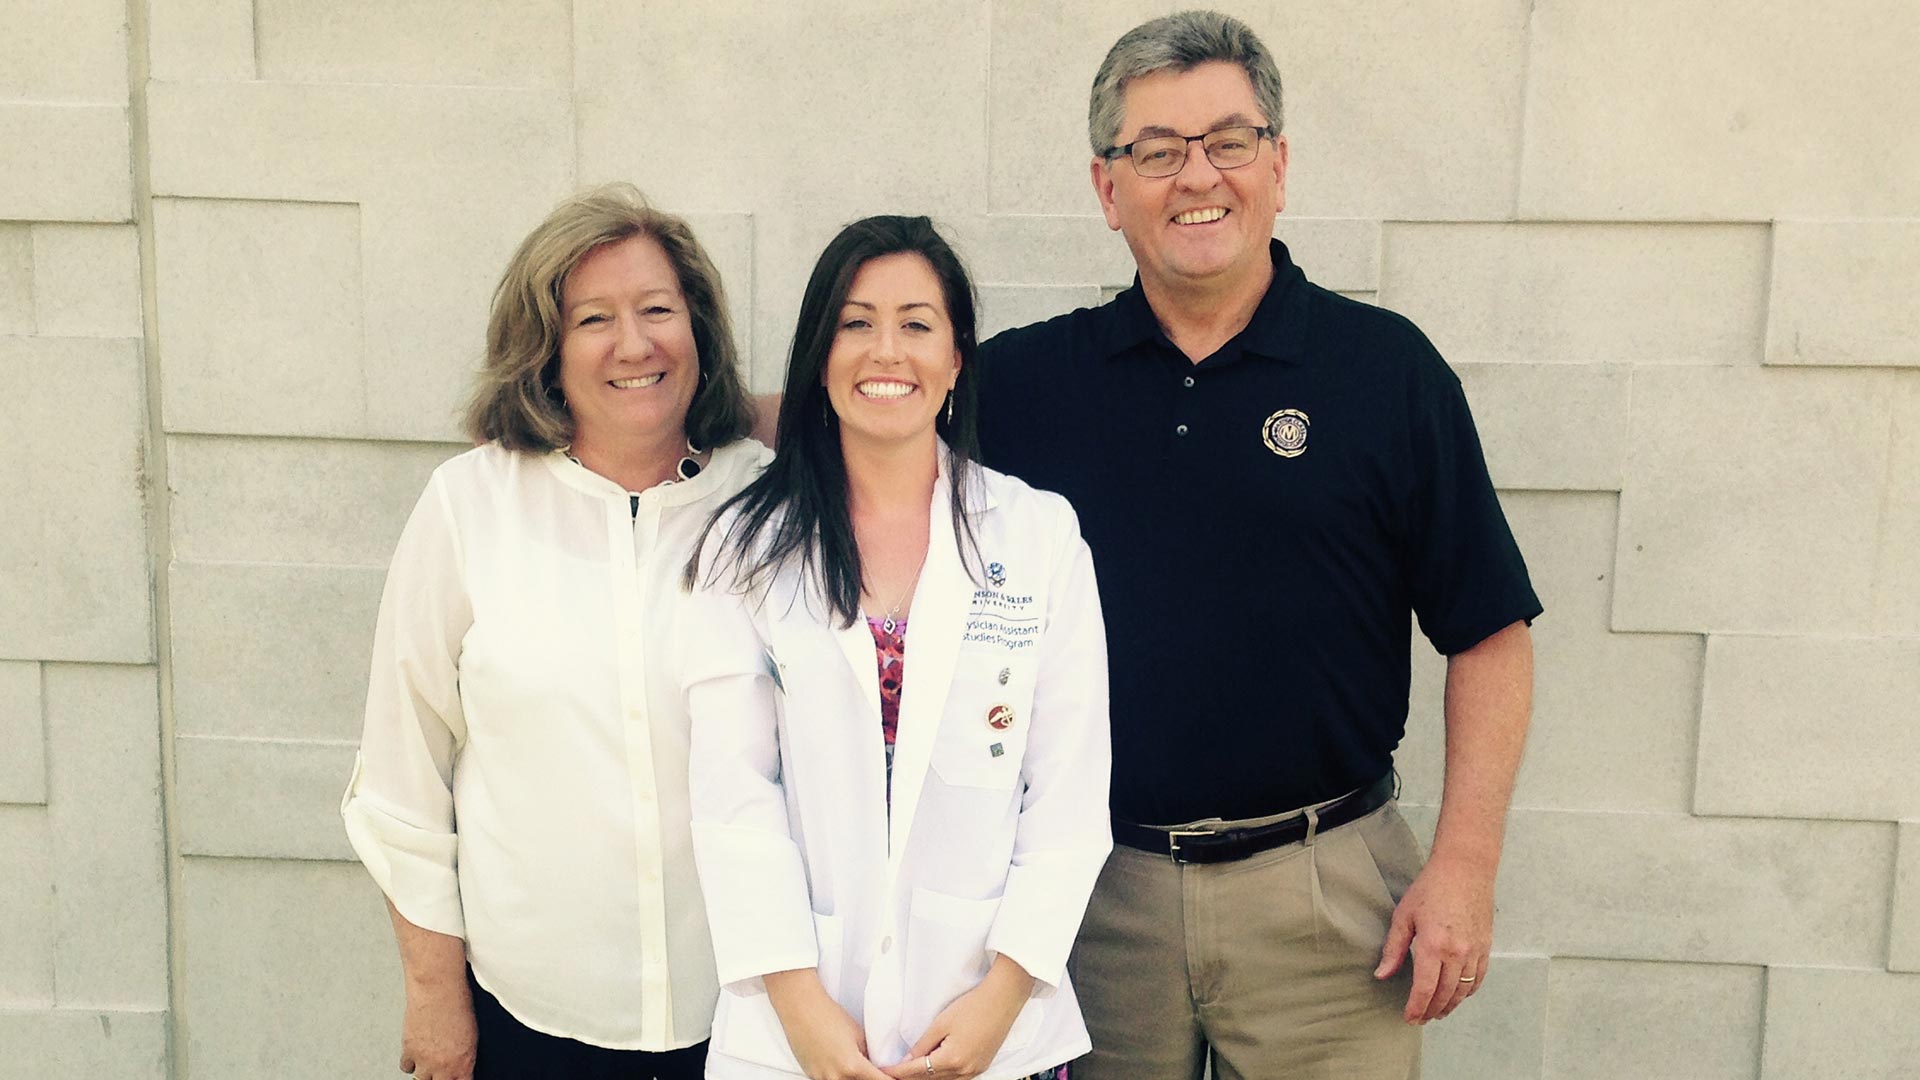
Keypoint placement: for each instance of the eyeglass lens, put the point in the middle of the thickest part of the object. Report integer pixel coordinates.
(1227, 148)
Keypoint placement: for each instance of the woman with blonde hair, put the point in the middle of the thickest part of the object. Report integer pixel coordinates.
(520, 794)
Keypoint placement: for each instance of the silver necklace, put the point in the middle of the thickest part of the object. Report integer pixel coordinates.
(890, 623)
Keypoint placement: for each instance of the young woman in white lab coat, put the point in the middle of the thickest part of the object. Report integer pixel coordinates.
(896, 673)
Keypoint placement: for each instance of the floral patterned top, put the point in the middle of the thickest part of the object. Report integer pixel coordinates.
(890, 655)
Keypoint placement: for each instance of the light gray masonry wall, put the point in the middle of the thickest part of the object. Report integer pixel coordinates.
(1671, 246)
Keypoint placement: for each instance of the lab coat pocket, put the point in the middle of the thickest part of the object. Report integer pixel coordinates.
(1025, 1026)
(946, 955)
(983, 732)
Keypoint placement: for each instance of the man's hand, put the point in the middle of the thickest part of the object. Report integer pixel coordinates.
(963, 1040)
(438, 1040)
(1447, 913)
(1447, 917)
(826, 1041)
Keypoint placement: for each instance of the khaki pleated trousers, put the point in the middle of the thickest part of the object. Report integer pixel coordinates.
(1264, 964)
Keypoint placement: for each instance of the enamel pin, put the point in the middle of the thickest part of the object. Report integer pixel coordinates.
(1005, 674)
(1000, 717)
(996, 575)
(1285, 433)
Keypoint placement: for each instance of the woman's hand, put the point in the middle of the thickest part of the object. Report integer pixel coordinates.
(826, 1041)
(962, 1041)
(438, 1040)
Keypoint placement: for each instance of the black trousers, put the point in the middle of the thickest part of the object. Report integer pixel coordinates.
(509, 1050)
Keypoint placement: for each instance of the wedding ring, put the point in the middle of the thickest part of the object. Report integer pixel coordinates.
(929, 1064)
(1468, 979)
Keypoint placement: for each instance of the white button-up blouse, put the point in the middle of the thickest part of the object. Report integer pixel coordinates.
(521, 683)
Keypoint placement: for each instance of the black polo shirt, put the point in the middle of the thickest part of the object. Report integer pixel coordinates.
(1265, 524)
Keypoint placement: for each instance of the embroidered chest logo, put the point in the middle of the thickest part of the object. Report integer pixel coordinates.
(1285, 432)
(1000, 619)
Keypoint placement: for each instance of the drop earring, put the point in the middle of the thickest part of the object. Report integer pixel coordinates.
(949, 408)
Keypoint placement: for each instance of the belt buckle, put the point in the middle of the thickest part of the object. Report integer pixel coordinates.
(1173, 840)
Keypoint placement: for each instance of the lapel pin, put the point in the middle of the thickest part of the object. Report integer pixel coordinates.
(997, 750)
(1000, 717)
(1005, 674)
(1285, 433)
(996, 574)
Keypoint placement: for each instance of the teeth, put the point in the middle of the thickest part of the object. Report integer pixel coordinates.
(885, 389)
(644, 380)
(1200, 217)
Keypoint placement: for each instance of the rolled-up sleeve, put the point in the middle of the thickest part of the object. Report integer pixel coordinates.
(398, 805)
(752, 874)
(1063, 835)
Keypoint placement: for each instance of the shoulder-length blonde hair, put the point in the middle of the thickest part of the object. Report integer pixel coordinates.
(517, 401)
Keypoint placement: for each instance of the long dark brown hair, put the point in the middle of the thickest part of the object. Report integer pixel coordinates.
(796, 511)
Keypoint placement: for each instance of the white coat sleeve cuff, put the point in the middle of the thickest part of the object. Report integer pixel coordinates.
(757, 905)
(1039, 918)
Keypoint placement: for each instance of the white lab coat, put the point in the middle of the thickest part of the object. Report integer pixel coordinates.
(995, 835)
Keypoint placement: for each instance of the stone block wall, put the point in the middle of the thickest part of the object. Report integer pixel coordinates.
(1671, 246)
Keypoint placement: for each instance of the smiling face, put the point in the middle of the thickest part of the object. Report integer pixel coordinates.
(893, 358)
(1201, 227)
(628, 364)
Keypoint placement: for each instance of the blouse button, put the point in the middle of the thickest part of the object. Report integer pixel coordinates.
(1181, 430)
(1188, 381)
(886, 944)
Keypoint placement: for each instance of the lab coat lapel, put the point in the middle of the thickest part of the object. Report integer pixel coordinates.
(856, 644)
(934, 628)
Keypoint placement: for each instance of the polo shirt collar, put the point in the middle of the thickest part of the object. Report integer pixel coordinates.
(1277, 330)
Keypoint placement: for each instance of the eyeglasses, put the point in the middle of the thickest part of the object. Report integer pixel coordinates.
(1164, 155)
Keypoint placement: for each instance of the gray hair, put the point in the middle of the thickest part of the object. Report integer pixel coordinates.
(1181, 41)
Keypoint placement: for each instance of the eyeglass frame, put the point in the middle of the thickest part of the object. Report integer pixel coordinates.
(1260, 134)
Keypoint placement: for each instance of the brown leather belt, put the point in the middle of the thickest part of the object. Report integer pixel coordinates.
(1226, 845)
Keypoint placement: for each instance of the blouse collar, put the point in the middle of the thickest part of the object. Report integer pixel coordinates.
(726, 462)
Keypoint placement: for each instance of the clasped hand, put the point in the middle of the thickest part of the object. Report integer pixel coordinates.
(960, 1042)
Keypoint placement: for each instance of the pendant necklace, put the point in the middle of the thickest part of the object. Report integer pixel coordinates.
(686, 468)
(889, 623)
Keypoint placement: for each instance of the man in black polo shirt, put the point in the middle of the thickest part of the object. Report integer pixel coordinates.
(1274, 481)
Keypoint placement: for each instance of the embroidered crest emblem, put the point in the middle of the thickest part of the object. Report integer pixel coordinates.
(1285, 432)
(1000, 717)
(996, 574)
